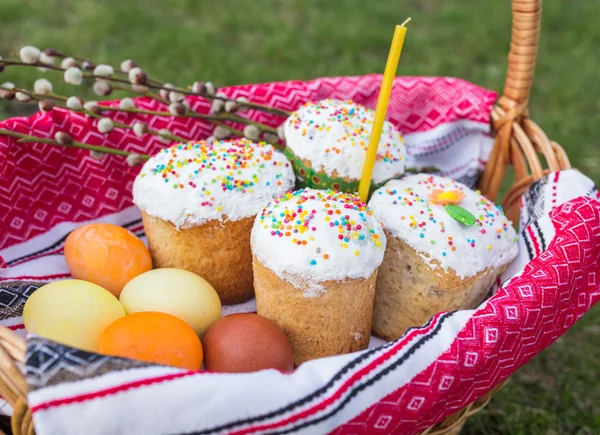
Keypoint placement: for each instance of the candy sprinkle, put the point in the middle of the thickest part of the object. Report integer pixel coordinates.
(443, 217)
(354, 120)
(291, 218)
(209, 168)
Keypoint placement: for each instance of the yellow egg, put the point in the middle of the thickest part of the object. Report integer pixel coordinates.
(173, 291)
(71, 312)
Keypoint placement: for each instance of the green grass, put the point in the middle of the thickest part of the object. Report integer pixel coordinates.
(243, 41)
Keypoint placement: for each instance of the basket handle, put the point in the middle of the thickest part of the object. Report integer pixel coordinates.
(13, 387)
(518, 140)
(525, 38)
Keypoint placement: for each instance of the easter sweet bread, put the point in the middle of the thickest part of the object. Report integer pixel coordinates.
(206, 250)
(316, 254)
(198, 202)
(446, 246)
(335, 321)
(327, 142)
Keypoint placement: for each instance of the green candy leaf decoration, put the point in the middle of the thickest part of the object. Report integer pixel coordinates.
(460, 214)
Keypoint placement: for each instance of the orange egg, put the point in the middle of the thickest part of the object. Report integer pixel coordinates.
(107, 255)
(154, 337)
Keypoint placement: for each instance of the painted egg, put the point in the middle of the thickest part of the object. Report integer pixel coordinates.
(71, 312)
(107, 255)
(246, 342)
(174, 291)
(153, 337)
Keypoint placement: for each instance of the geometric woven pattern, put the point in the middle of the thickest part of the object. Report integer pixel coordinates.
(13, 295)
(50, 363)
(56, 246)
(43, 185)
(401, 387)
(526, 316)
(458, 356)
(536, 202)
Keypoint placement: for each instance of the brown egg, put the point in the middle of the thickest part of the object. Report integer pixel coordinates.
(246, 342)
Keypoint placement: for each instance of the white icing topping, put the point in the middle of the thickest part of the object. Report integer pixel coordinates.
(189, 184)
(334, 135)
(318, 235)
(409, 214)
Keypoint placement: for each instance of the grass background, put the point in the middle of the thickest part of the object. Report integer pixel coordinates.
(251, 41)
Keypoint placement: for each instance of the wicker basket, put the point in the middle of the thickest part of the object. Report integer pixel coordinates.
(518, 142)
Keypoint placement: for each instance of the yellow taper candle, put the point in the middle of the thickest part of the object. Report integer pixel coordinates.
(382, 105)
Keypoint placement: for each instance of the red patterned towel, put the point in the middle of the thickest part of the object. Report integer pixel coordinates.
(400, 387)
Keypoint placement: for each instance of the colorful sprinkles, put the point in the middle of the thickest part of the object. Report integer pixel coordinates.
(427, 213)
(298, 217)
(356, 121)
(236, 166)
(327, 140)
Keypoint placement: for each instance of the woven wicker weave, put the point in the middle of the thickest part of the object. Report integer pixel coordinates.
(518, 142)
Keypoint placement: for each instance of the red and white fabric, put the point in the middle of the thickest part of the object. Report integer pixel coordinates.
(399, 387)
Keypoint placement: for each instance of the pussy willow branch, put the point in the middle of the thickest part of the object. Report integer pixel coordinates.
(151, 84)
(237, 118)
(54, 96)
(41, 97)
(130, 127)
(6, 62)
(144, 94)
(61, 55)
(35, 139)
(214, 119)
(261, 107)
